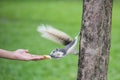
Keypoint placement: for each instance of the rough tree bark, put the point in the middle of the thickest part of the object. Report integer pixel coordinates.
(95, 40)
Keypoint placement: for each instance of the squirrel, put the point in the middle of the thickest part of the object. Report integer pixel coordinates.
(60, 37)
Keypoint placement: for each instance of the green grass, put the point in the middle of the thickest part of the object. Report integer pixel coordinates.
(18, 24)
(114, 66)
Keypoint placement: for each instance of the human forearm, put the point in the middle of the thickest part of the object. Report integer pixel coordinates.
(7, 54)
(21, 54)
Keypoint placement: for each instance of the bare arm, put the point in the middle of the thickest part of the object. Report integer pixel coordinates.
(19, 54)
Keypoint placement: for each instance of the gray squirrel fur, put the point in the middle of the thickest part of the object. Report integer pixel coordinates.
(60, 37)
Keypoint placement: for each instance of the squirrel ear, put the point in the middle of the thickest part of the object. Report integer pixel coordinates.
(56, 49)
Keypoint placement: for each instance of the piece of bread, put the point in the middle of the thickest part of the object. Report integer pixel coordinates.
(47, 57)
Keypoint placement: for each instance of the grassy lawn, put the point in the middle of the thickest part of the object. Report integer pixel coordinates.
(18, 24)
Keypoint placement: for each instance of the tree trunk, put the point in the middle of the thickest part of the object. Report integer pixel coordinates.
(95, 40)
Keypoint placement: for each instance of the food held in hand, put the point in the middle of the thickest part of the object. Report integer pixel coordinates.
(47, 57)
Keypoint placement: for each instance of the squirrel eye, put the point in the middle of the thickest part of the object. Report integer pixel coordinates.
(53, 51)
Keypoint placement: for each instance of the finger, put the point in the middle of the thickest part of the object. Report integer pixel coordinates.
(35, 58)
(22, 50)
(44, 57)
(28, 54)
(32, 55)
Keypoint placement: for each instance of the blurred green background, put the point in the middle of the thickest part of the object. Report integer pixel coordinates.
(18, 29)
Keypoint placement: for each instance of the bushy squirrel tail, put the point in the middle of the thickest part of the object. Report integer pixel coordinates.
(53, 34)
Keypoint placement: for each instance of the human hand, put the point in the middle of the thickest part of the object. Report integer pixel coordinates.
(22, 54)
